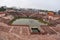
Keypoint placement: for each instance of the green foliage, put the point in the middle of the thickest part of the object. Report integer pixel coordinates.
(41, 20)
(2, 9)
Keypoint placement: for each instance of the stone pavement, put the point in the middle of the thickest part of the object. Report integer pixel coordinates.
(22, 33)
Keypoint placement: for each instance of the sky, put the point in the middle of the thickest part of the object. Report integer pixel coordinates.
(37, 4)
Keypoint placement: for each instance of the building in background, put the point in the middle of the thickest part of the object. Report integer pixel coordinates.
(52, 16)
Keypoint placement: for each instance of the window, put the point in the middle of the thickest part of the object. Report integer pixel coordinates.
(35, 31)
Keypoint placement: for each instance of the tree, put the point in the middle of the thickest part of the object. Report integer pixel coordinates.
(2, 9)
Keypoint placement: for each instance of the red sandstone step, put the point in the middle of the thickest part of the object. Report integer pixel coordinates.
(5, 29)
(48, 30)
(16, 30)
(25, 30)
(57, 29)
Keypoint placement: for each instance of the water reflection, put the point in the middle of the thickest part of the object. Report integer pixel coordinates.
(30, 22)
